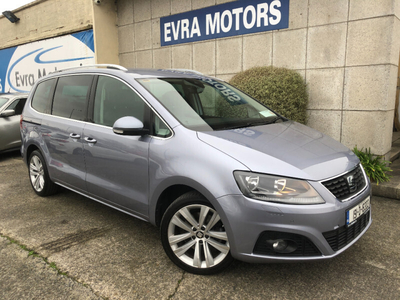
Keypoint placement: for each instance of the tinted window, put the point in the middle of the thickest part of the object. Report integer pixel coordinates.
(70, 99)
(17, 105)
(42, 97)
(115, 100)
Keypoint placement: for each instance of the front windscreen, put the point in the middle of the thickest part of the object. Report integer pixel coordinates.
(3, 101)
(207, 104)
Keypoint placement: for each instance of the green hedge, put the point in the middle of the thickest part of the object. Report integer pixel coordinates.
(281, 89)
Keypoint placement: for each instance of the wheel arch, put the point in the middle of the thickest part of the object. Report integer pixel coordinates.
(29, 150)
(167, 194)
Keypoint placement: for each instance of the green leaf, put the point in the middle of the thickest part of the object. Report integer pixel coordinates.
(375, 167)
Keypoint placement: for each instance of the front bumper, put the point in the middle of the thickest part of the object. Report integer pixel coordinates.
(248, 221)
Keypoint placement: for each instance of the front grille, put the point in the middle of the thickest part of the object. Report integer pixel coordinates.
(344, 235)
(304, 246)
(347, 185)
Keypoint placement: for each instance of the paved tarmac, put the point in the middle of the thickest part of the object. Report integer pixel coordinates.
(69, 247)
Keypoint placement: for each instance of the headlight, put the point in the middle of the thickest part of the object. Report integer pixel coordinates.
(276, 189)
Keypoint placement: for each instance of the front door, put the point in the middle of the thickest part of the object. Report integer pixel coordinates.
(116, 165)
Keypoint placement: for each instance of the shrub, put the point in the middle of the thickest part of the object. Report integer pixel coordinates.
(281, 89)
(374, 166)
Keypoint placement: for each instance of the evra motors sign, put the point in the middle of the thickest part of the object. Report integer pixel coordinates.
(229, 19)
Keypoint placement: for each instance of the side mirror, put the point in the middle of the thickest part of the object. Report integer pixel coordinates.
(7, 113)
(129, 126)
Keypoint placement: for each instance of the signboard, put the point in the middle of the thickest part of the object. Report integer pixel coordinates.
(21, 66)
(224, 20)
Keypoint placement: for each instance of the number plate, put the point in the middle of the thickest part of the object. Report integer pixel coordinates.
(357, 211)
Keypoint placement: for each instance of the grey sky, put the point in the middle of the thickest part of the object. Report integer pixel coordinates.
(12, 4)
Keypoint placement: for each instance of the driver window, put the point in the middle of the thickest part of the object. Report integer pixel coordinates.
(114, 100)
(17, 106)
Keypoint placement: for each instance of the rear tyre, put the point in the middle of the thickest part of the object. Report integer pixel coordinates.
(194, 237)
(39, 176)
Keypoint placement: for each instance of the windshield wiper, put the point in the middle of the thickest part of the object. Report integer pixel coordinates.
(265, 121)
(244, 125)
(277, 119)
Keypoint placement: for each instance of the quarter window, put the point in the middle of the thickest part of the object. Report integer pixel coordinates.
(42, 97)
(160, 129)
(70, 99)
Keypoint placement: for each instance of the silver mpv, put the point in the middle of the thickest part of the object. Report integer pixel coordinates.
(222, 175)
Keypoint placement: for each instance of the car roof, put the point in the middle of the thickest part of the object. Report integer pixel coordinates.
(179, 73)
(135, 73)
(12, 95)
(126, 74)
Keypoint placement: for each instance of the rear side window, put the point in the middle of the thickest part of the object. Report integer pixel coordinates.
(70, 99)
(42, 97)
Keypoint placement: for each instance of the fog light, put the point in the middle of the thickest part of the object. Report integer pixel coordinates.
(279, 245)
(283, 246)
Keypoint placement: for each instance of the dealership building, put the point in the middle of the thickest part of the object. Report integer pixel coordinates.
(346, 50)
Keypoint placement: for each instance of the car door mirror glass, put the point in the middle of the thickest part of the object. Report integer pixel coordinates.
(7, 113)
(129, 126)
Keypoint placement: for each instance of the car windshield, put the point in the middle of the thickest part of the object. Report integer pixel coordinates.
(3, 101)
(206, 104)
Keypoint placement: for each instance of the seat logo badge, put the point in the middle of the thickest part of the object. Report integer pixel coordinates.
(350, 181)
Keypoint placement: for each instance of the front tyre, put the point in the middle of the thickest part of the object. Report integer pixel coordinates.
(194, 237)
(39, 176)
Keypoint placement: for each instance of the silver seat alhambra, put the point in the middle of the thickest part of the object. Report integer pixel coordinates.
(222, 175)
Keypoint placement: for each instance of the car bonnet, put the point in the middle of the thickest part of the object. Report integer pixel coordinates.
(286, 149)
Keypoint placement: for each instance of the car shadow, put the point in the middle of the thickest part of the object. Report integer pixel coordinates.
(15, 154)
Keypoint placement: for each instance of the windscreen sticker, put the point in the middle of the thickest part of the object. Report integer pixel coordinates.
(232, 97)
(267, 113)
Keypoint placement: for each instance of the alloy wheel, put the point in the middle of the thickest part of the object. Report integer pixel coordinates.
(197, 236)
(36, 172)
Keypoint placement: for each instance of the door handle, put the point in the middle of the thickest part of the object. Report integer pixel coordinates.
(90, 140)
(74, 136)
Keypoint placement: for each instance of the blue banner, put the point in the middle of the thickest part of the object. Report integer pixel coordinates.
(21, 66)
(5, 57)
(224, 20)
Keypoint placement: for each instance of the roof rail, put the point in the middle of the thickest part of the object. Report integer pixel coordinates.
(108, 66)
(186, 71)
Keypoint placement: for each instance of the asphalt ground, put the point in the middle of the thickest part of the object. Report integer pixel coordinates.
(69, 247)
